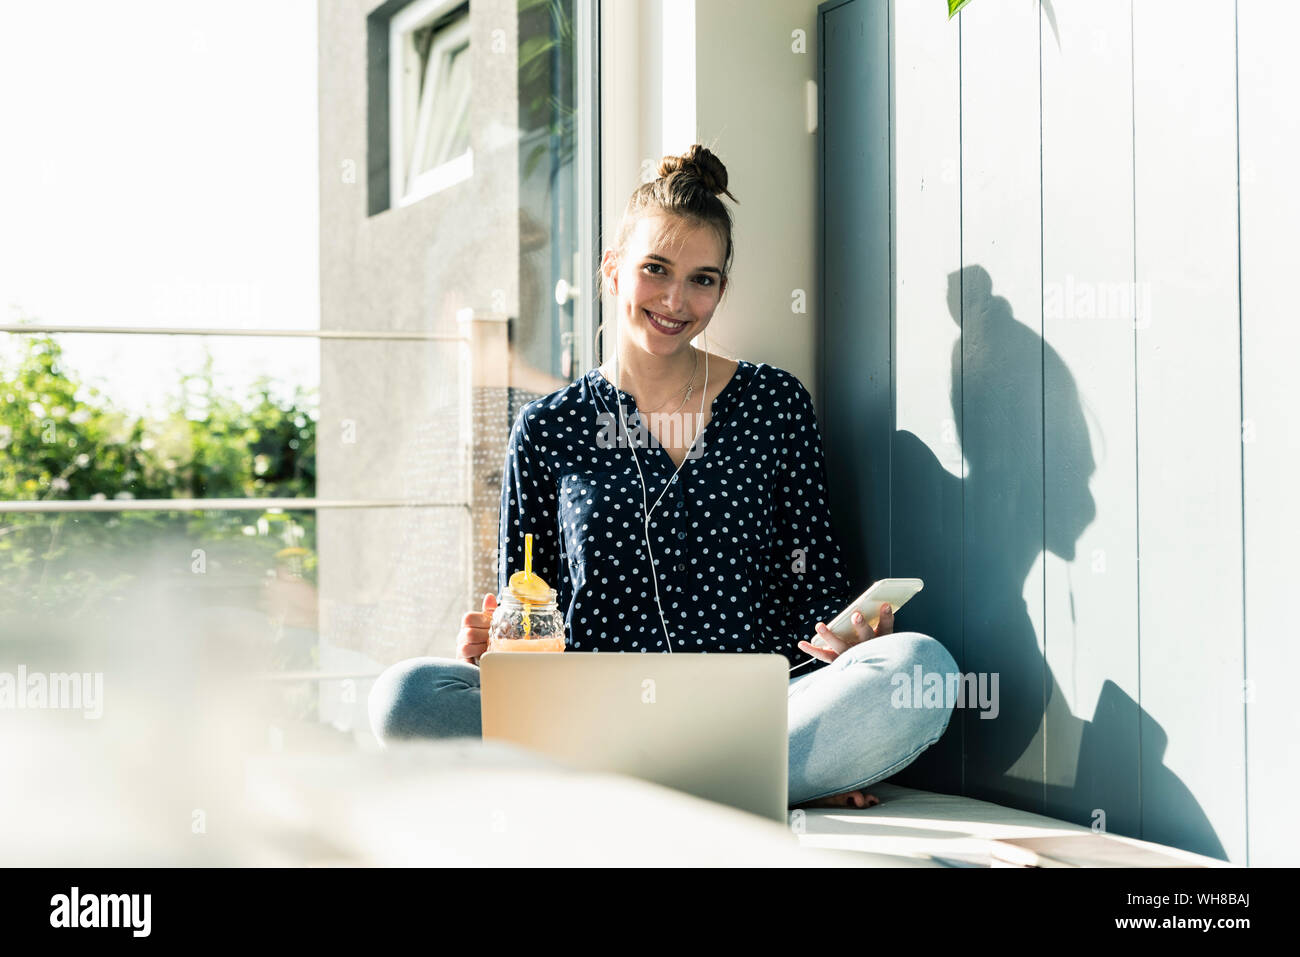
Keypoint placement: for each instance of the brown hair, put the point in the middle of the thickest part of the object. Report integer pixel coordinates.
(688, 188)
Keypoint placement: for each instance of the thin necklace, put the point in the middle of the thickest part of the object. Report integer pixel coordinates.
(689, 387)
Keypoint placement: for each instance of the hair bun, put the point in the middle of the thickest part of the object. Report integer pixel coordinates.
(700, 163)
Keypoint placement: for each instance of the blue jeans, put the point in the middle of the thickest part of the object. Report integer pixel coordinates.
(845, 731)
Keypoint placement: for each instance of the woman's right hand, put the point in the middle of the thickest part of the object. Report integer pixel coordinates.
(473, 637)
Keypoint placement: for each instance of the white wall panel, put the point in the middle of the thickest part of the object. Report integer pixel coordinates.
(1189, 410)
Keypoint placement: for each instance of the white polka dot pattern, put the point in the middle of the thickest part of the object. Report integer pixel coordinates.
(742, 538)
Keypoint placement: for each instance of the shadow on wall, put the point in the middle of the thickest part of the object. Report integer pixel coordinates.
(1113, 762)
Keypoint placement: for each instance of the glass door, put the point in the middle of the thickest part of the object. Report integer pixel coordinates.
(558, 191)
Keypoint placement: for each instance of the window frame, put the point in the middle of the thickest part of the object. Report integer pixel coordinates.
(409, 121)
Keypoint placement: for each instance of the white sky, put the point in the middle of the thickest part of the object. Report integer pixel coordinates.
(158, 168)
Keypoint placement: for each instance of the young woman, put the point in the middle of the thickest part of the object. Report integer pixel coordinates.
(726, 457)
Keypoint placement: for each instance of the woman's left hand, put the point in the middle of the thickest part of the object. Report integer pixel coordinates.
(863, 632)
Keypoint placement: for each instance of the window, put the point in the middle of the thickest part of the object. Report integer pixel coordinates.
(429, 77)
(244, 469)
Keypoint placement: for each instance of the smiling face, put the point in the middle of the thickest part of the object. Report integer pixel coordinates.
(659, 281)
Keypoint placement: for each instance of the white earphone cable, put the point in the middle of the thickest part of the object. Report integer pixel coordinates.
(649, 509)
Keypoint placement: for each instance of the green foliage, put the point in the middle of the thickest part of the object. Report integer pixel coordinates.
(545, 69)
(60, 440)
(954, 6)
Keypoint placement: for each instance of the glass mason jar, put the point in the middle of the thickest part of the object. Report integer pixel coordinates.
(545, 625)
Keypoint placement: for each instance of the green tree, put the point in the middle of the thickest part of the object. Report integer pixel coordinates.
(61, 440)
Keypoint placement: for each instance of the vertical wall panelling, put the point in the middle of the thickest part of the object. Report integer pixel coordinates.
(854, 352)
(1002, 397)
(1188, 426)
(1082, 213)
(1090, 509)
(927, 460)
(1269, 75)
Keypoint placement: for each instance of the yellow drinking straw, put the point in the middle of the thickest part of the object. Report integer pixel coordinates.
(528, 588)
(528, 574)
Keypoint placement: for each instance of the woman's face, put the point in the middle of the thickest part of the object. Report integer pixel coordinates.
(682, 282)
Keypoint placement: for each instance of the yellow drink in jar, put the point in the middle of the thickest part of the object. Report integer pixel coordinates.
(527, 618)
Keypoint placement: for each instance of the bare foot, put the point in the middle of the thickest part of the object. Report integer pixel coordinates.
(855, 799)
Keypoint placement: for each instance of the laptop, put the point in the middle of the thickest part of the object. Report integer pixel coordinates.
(714, 726)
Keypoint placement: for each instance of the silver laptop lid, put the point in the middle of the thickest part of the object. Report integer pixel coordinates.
(714, 726)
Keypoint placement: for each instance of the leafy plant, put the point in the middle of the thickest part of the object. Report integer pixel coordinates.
(545, 65)
(62, 440)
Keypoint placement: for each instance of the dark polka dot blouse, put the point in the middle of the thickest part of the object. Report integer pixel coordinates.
(744, 555)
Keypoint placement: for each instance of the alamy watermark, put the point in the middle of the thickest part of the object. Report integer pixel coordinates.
(673, 426)
(57, 690)
(76, 909)
(937, 689)
(1083, 299)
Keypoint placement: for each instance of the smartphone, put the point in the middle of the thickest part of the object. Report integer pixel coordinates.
(894, 591)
